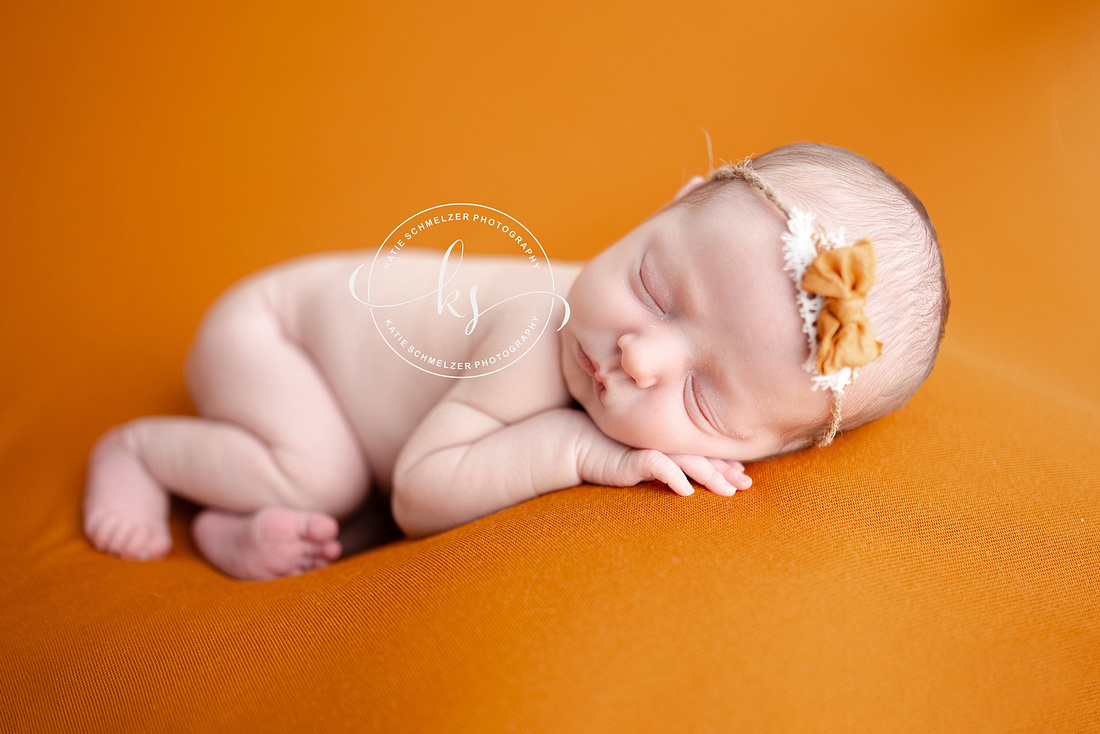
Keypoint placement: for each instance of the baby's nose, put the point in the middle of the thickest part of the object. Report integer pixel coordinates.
(651, 358)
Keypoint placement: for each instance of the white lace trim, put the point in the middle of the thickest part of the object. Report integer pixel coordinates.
(801, 244)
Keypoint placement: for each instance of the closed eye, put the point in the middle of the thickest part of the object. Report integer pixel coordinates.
(648, 293)
(697, 404)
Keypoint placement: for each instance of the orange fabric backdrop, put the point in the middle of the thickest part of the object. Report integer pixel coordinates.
(936, 570)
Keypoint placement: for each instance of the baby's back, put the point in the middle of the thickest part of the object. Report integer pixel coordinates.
(384, 396)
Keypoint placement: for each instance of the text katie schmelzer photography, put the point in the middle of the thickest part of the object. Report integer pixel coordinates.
(465, 229)
(460, 216)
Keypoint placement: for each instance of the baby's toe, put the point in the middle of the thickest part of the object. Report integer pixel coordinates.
(119, 534)
(136, 544)
(142, 543)
(319, 528)
(331, 550)
(95, 527)
(149, 544)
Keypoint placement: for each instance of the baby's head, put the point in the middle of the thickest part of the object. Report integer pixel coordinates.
(689, 333)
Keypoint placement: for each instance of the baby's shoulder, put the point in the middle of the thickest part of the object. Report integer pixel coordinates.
(531, 384)
(320, 308)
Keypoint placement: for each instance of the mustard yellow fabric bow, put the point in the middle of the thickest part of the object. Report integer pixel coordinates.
(844, 275)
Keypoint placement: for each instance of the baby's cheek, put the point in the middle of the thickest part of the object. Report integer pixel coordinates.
(624, 430)
(607, 425)
(652, 430)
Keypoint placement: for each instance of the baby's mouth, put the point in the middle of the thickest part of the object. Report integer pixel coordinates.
(585, 361)
(593, 371)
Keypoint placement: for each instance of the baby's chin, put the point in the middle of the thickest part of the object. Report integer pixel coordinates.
(591, 405)
(627, 433)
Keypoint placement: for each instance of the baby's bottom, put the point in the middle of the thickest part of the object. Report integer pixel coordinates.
(272, 456)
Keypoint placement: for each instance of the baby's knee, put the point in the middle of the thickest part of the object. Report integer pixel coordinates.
(230, 329)
(335, 487)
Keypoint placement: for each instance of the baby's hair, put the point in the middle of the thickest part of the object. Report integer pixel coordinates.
(909, 303)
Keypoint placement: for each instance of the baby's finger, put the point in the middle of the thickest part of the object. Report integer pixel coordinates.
(702, 470)
(664, 469)
(734, 472)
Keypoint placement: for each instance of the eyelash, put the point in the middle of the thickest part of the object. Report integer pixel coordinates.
(649, 294)
(691, 382)
(698, 403)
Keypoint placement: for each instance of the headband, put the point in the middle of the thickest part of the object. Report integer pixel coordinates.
(832, 279)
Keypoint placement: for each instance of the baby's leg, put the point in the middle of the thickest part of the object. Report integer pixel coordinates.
(271, 436)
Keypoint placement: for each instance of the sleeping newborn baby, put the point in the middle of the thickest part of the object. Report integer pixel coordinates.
(758, 313)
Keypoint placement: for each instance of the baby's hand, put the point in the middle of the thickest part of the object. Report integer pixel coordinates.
(718, 475)
(606, 461)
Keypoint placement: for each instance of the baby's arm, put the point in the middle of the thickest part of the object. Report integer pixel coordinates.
(463, 463)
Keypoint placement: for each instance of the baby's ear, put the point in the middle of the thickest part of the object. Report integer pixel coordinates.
(693, 183)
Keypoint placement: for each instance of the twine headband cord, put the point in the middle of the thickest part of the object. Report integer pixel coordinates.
(840, 339)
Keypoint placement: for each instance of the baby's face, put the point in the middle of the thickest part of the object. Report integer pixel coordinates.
(685, 337)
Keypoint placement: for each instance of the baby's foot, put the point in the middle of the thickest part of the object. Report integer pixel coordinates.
(125, 509)
(268, 544)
